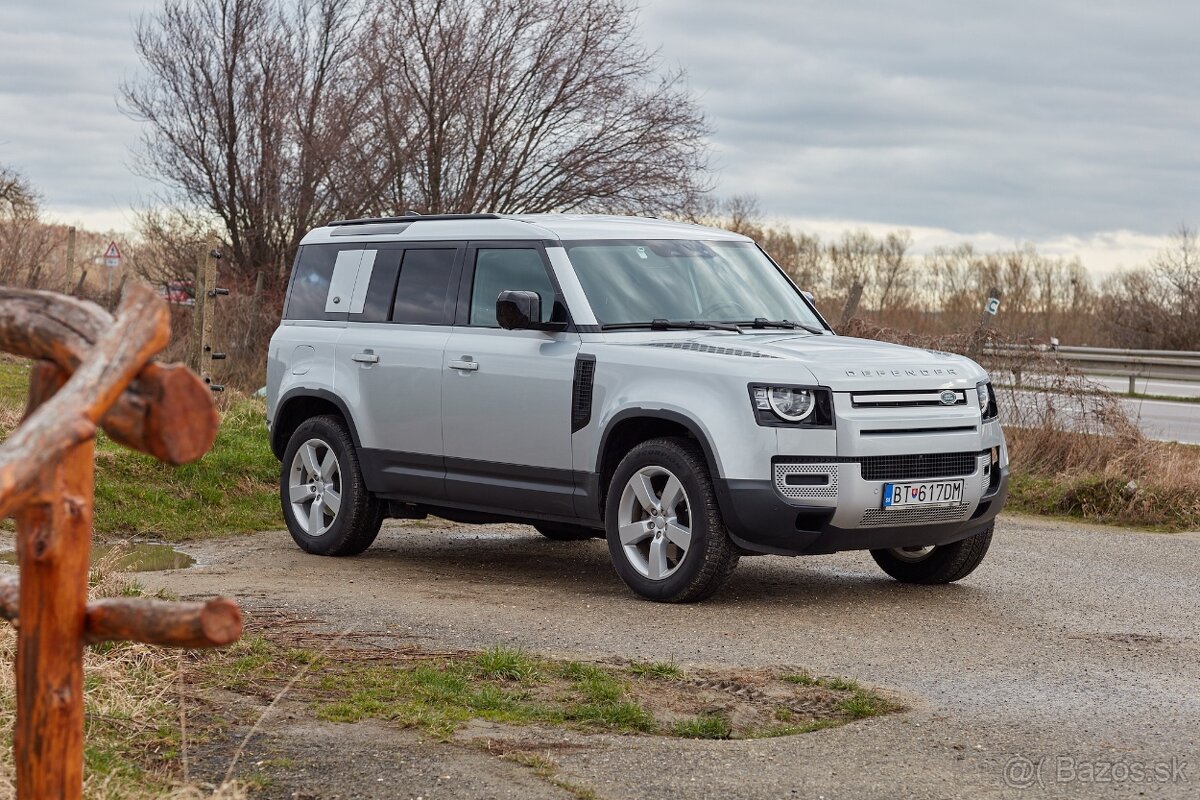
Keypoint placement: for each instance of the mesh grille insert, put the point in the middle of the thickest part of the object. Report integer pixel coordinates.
(782, 471)
(916, 467)
(908, 516)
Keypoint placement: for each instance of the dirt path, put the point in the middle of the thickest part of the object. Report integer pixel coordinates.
(1072, 645)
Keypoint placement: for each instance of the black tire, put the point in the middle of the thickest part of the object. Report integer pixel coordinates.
(944, 564)
(710, 557)
(562, 532)
(354, 526)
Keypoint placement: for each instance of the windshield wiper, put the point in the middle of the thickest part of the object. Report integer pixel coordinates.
(671, 325)
(761, 323)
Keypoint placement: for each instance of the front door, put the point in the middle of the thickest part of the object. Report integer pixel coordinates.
(506, 395)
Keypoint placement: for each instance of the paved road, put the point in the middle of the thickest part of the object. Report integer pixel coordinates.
(1167, 421)
(1149, 386)
(1159, 419)
(1070, 642)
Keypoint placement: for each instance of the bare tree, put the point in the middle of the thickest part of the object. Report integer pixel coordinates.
(1155, 307)
(893, 277)
(250, 116)
(531, 105)
(26, 242)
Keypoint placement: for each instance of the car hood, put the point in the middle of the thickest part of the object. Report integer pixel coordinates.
(844, 363)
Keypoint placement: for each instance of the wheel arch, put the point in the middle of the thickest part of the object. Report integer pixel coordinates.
(630, 427)
(300, 404)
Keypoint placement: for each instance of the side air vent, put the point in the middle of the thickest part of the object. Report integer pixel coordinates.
(708, 348)
(581, 392)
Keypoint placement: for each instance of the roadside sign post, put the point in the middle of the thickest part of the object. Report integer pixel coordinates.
(112, 260)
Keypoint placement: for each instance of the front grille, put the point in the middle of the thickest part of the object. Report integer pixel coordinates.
(875, 517)
(914, 399)
(917, 467)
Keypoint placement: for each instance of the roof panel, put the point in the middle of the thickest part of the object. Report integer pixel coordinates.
(523, 226)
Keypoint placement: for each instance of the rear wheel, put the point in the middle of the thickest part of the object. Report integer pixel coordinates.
(326, 505)
(941, 564)
(665, 532)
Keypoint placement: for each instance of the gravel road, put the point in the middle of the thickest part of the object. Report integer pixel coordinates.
(1071, 649)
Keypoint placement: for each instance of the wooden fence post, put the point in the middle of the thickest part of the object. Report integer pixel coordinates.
(54, 552)
(70, 258)
(87, 375)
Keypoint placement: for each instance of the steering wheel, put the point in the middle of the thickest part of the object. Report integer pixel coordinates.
(714, 311)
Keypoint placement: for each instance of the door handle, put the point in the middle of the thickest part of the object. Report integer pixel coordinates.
(466, 365)
(365, 358)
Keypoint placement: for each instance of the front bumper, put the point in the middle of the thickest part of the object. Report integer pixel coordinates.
(761, 521)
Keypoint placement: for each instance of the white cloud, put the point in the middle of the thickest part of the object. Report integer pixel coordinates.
(1072, 125)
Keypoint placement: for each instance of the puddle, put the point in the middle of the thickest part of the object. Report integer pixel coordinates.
(129, 557)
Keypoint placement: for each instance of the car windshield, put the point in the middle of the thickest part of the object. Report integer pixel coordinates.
(684, 281)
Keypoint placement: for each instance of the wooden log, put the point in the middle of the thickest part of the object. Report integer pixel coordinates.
(53, 550)
(215, 623)
(167, 412)
(10, 598)
(68, 419)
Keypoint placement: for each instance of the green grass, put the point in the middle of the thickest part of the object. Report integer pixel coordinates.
(704, 726)
(656, 669)
(232, 489)
(506, 664)
(836, 684)
(439, 694)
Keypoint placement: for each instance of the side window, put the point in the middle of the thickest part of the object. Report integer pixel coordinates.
(424, 286)
(501, 268)
(326, 283)
(310, 285)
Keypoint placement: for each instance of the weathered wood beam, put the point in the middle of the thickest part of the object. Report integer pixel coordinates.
(166, 412)
(69, 418)
(54, 550)
(215, 623)
(10, 598)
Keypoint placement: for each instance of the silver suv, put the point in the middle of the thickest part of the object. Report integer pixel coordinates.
(660, 385)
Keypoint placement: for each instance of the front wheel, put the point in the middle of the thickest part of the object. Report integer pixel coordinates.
(941, 564)
(665, 533)
(325, 501)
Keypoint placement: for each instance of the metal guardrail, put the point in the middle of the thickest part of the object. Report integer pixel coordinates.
(1175, 365)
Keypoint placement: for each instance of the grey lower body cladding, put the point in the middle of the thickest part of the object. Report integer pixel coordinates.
(760, 521)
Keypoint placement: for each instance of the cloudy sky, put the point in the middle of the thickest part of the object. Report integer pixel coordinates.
(1072, 124)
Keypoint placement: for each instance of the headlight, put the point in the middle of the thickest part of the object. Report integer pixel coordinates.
(792, 405)
(788, 405)
(988, 409)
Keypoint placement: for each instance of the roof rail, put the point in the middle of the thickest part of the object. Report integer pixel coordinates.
(411, 218)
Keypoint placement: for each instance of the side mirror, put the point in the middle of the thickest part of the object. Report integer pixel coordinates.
(808, 296)
(519, 310)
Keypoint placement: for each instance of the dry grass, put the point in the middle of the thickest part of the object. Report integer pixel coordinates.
(1074, 449)
(132, 734)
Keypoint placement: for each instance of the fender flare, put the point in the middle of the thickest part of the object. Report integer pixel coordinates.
(301, 392)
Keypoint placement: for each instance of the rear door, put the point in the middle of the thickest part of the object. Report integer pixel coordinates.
(506, 395)
(390, 362)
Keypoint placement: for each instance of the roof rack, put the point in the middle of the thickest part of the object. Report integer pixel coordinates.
(410, 217)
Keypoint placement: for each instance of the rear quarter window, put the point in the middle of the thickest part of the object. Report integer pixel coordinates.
(311, 278)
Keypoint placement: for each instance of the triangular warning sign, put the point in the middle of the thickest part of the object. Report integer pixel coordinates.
(112, 251)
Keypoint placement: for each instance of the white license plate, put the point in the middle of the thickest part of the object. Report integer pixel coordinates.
(927, 493)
